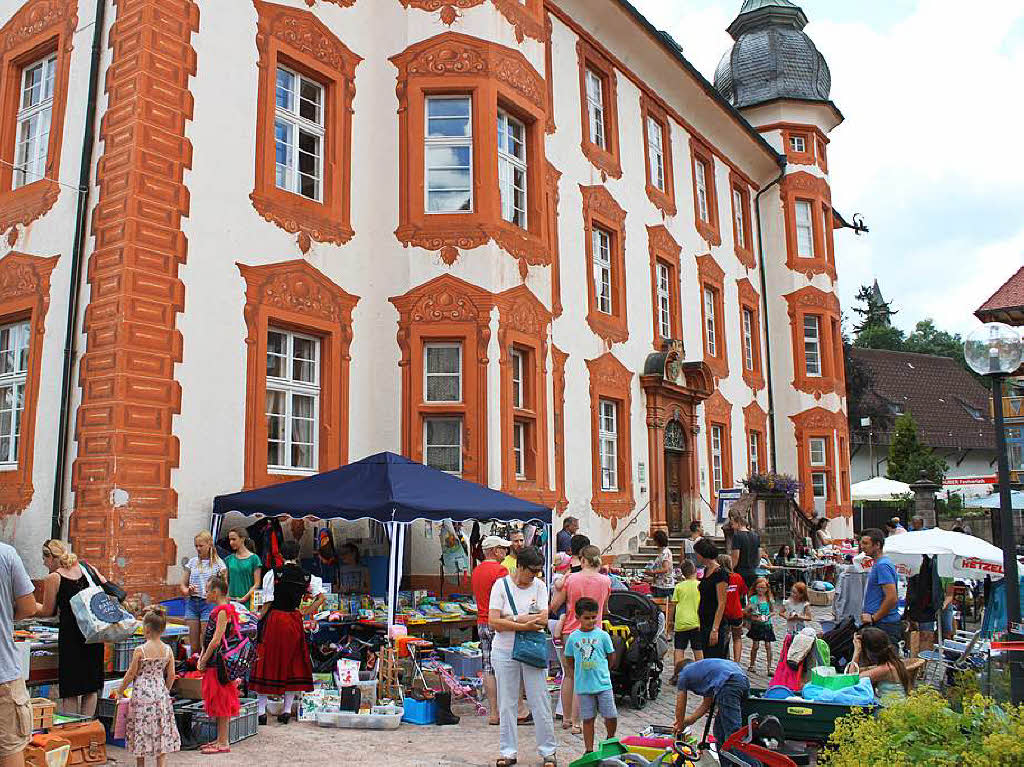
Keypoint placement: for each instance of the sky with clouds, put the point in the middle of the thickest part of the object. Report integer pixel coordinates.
(931, 151)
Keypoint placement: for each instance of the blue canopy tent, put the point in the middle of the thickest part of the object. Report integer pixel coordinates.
(390, 489)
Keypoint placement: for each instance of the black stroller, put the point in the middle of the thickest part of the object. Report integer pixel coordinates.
(634, 622)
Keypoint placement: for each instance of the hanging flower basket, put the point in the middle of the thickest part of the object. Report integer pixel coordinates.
(772, 484)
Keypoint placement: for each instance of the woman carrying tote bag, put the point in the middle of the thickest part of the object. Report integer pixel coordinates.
(519, 605)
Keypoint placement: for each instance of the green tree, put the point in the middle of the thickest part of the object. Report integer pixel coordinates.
(908, 456)
(928, 339)
(880, 337)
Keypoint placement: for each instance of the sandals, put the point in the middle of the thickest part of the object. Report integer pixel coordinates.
(213, 748)
(528, 719)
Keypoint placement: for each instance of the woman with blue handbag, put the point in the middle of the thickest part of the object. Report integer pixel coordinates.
(518, 613)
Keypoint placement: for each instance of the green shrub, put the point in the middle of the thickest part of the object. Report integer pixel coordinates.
(923, 731)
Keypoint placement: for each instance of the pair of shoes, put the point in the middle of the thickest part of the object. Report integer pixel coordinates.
(528, 719)
(284, 718)
(213, 748)
(262, 719)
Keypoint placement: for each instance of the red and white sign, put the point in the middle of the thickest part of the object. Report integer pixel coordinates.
(976, 565)
(967, 481)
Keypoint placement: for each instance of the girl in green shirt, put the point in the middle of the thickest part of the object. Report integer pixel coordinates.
(244, 569)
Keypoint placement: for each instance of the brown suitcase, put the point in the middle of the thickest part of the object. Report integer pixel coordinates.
(40, 746)
(88, 742)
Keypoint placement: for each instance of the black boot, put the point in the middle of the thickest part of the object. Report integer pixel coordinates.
(443, 701)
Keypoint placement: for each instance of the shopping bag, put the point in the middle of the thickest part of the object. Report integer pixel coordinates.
(827, 677)
(99, 616)
(121, 718)
(530, 647)
(237, 653)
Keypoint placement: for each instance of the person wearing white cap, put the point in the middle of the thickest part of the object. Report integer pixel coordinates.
(484, 575)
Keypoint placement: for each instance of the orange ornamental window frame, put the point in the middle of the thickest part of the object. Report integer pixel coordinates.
(663, 199)
(495, 78)
(294, 296)
(612, 381)
(446, 310)
(601, 211)
(821, 143)
(296, 40)
(806, 188)
(750, 301)
(812, 302)
(39, 29)
(665, 252)
(755, 421)
(744, 252)
(712, 277)
(710, 229)
(718, 413)
(606, 158)
(819, 423)
(523, 328)
(554, 197)
(794, 155)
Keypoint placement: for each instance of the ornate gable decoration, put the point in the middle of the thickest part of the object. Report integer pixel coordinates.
(24, 276)
(303, 32)
(717, 408)
(445, 299)
(36, 18)
(608, 374)
(522, 312)
(808, 184)
(709, 270)
(661, 240)
(598, 201)
(812, 298)
(818, 420)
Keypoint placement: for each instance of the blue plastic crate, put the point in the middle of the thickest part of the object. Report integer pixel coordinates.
(175, 607)
(463, 664)
(420, 711)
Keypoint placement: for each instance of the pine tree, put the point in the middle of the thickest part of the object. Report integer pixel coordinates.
(908, 456)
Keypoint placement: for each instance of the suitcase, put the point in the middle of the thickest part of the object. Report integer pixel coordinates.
(88, 742)
(47, 751)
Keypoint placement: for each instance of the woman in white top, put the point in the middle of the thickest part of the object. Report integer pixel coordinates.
(198, 572)
(526, 611)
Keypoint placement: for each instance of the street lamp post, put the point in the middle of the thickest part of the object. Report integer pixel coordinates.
(995, 350)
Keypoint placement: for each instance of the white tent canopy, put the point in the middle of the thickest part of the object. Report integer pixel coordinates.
(880, 489)
(959, 555)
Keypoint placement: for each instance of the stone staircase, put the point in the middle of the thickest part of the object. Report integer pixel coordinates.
(648, 551)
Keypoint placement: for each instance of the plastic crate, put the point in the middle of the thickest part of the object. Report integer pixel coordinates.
(801, 719)
(204, 729)
(348, 720)
(464, 665)
(175, 607)
(123, 652)
(420, 711)
(106, 708)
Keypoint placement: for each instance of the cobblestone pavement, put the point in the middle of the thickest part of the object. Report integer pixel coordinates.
(472, 743)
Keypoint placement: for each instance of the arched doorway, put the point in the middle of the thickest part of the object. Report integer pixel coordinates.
(679, 488)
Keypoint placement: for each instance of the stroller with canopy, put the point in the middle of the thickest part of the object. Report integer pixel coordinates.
(634, 622)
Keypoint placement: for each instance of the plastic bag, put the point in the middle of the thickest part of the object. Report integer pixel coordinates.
(99, 616)
(121, 718)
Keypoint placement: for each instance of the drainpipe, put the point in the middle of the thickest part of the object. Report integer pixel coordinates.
(78, 248)
(767, 320)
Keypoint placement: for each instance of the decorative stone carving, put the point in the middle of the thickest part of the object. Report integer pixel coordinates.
(448, 10)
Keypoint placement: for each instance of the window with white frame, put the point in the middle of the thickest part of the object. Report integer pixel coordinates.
(442, 443)
(818, 448)
(710, 322)
(701, 171)
(14, 341)
(804, 230)
(34, 113)
(656, 152)
(442, 372)
(740, 212)
(595, 107)
(518, 367)
(812, 345)
(717, 461)
(819, 489)
(293, 401)
(519, 449)
(664, 279)
(602, 247)
(826, 222)
(608, 443)
(748, 339)
(755, 452)
(449, 154)
(299, 130)
(512, 168)
(798, 144)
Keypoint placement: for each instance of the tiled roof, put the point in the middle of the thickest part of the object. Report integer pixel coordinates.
(1007, 303)
(951, 408)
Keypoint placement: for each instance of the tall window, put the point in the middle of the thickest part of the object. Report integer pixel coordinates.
(512, 168)
(740, 214)
(748, 339)
(14, 339)
(293, 401)
(717, 463)
(443, 373)
(804, 230)
(755, 452)
(608, 440)
(1015, 445)
(299, 130)
(34, 112)
(701, 170)
(656, 153)
(812, 345)
(818, 448)
(518, 367)
(664, 300)
(602, 247)
(519, 449)
(595, 108)
(442, 443)
(710, 328)
(449, 154)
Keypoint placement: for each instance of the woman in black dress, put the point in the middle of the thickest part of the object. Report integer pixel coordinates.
(80, 665)
(714, 588)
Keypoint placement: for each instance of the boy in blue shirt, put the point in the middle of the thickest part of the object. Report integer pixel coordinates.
(589, 652)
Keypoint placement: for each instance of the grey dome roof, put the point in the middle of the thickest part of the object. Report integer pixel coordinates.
(772, 58)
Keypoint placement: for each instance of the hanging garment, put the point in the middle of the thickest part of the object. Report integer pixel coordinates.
(475, 539)
(849, 599)
(924, 593)
(785, 675)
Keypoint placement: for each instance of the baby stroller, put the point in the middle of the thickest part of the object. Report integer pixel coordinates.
(633, 620)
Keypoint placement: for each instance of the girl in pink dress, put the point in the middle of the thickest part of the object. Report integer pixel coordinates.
(219, 699)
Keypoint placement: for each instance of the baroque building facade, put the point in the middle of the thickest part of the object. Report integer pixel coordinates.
(524, 241)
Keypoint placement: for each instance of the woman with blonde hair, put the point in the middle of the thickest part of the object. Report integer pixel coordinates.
(80, 665)
(198, 571)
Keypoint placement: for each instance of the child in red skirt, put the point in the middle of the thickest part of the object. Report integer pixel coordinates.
(220, 700)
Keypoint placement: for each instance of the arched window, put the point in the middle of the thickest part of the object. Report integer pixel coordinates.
(675, 437)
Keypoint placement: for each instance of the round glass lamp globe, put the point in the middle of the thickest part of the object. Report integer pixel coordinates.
(994, 348)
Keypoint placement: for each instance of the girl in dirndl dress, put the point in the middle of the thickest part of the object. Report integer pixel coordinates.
(283, 665)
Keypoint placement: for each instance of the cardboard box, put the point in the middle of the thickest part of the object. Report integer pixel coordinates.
(188, 688)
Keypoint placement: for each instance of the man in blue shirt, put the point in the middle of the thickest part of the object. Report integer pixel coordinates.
(720, 682)
(563, 541)
(880, 594)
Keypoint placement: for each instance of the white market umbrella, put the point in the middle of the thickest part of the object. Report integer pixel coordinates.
(992, 501)
(958, 555)
(880, 489)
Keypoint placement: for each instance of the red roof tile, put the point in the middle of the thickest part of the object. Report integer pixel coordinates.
(1009, 298)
